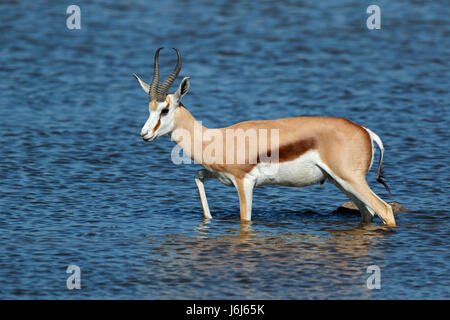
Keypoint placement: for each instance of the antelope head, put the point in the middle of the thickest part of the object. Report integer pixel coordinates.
(162, 106)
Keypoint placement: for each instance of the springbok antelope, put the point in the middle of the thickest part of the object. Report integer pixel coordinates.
(309, 150)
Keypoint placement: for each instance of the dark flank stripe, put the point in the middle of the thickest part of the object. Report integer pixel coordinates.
(290, 151)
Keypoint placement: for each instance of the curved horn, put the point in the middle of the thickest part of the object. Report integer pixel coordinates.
(154, 87)
(162, 91)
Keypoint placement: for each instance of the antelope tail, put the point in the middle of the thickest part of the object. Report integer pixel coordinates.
(380, 175)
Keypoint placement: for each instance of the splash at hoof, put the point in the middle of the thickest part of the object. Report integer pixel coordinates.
(351, 208)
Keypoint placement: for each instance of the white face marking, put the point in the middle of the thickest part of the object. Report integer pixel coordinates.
(161, 118)
(159, 122)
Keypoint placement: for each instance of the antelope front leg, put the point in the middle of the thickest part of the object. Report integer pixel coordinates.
(245, 190)
(199, 177)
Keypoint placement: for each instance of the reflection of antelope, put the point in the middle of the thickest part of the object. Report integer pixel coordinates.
(310, 150)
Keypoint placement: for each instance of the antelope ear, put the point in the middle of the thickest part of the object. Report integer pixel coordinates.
(182, 89)
(144, 86)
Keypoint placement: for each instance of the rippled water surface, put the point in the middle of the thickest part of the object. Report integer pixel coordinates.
(79, 186)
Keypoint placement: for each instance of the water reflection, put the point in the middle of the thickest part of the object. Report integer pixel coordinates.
(262, 261)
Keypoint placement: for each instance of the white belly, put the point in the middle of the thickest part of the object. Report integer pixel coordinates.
(296, 173)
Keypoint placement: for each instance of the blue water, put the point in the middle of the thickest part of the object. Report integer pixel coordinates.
(79, 186)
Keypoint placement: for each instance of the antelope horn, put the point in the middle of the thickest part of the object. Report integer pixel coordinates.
(154, 87)
(162, 91)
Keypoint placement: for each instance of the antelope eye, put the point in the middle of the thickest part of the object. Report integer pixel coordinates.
(164, 111)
